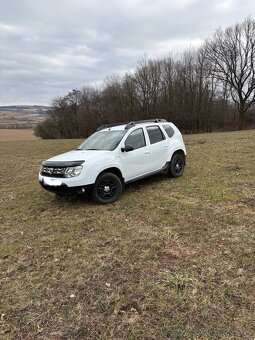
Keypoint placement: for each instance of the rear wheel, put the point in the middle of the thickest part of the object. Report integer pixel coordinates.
(176, 167)
(107, 188)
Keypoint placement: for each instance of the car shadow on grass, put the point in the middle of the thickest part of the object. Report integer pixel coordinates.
(130, 188)
(154, 180)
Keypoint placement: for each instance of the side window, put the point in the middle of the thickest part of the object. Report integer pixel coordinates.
(136, 139)
(169, 130)
(155, 134)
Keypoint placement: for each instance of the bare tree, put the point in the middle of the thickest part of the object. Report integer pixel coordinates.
(232, 55)
(113, 99)
(147, 81)
(167, 98)
(198, 90)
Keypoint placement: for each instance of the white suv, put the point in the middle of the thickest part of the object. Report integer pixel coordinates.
(114, 155)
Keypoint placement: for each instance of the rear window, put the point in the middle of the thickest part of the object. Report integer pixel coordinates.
(155, 134)
(169, 130)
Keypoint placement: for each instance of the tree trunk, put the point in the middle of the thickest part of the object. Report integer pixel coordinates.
(241, 116)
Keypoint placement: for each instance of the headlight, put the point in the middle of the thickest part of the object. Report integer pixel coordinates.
(73, 171)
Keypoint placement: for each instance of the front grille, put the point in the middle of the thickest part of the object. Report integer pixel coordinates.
(53, 171)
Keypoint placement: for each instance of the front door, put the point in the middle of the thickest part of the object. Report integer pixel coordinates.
(135, 163)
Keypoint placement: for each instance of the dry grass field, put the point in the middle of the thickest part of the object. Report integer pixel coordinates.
(21, 118)
(173, 258)
(17, 135)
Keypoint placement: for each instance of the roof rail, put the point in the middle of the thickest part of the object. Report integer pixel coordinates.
(105, 126)
(131, 124)
(155, 120)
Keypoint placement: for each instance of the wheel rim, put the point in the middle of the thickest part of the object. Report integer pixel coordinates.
(107, 189)
(178, 166)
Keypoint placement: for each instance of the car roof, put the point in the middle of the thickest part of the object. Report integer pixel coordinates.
(131, 125)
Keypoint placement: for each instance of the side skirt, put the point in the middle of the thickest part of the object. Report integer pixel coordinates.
(164, 168)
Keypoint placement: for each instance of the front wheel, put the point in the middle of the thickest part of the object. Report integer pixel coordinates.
(107, 188)
(176, 167)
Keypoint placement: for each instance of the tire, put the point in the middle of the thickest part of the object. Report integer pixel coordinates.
(176, 167)
(107, 189)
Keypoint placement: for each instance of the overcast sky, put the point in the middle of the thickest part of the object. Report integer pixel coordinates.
(48, 47)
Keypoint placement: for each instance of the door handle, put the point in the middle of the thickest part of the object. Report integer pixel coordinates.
(166, 145)
(146, 153)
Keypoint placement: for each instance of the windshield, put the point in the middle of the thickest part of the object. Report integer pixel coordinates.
(103, 140)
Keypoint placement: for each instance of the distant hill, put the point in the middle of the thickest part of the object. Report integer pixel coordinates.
(22, 116)
(23, 107)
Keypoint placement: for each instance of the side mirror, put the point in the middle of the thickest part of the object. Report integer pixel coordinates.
(127, 148)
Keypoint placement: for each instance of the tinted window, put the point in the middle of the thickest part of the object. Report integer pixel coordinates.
(155, 134)
(169, 130)
(136, 139)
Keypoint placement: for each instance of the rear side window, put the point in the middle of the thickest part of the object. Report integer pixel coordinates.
(155, 134)
(169, 130)
(136, 139)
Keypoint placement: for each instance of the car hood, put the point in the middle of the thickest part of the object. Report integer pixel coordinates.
(79, 155)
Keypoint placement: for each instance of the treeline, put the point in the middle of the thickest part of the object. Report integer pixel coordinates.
(210, 88)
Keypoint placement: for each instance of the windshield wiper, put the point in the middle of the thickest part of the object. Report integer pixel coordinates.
(77, 149)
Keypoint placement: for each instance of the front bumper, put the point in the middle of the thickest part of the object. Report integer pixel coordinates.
(63, 189)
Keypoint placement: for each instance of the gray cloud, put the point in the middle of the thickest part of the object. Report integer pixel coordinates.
(49, 47)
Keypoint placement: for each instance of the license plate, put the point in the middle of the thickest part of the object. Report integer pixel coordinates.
(52, 182)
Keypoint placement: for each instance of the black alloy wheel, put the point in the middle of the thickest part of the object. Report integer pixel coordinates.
(176, 167)
(107, 188)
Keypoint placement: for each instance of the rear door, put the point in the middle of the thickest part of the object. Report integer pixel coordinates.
(158, 147)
